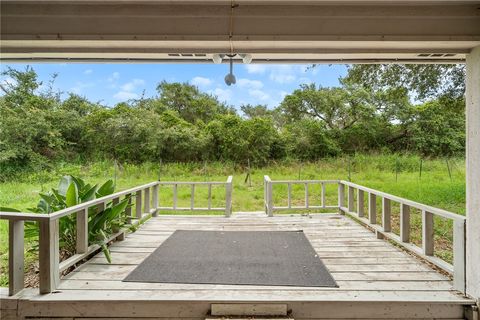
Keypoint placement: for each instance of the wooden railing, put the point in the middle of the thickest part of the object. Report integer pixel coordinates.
(193, 186)
(307, 204)
(356, 195)
(426, 251)
(143, 199)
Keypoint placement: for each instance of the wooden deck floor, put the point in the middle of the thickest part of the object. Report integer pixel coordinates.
(376, 279)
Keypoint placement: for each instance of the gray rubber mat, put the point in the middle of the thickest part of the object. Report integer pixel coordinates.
(271, 258)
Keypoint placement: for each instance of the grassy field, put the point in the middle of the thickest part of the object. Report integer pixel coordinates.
(437, 182)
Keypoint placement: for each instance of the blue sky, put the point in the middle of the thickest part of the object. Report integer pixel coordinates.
(112, 83)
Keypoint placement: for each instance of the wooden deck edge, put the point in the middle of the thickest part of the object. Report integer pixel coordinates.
(202, 309)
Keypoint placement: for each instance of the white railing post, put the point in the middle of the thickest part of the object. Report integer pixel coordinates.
(360, 203)
(155, 200)
(459, 274)
(128, 210)
(146, 200)
(15, 256)
(49, 255)
(138, 204)
(341, 196)
(372, 208)
(351, 198)
(82, 231)
(228, 197)
(268, 196)
(404, 223)
(427, 233)
(386, 215)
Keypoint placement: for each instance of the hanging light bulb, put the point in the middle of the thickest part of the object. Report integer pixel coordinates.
(230, 78)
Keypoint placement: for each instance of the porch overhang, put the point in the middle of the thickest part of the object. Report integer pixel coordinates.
(278, 31)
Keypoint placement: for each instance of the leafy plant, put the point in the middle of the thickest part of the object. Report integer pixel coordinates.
(72, 191)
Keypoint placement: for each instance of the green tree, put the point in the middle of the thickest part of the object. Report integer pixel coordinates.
(189, 102)
(337, 108)
(309, 139)
(425, 81)
(257, 111)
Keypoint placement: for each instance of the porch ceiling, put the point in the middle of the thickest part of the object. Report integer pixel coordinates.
(271, 30)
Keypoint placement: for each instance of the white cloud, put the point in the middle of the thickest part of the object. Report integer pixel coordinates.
(88, 71)
(114, 77)
(201, 82)
(283, 73)
(132, 85)
(305, 80)
(256, 68)
(259, 94)
(278, 73)
(222, 94)
(252, 84)
(125, 95)
(79, 86)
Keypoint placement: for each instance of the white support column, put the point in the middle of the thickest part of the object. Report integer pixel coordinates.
(473, 173)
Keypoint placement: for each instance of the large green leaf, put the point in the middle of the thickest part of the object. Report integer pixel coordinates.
(79, 182)
(106, 189)
(88, 194)
(65, 182)
(71, 196)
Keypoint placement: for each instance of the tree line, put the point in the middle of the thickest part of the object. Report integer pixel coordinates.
(371, 111)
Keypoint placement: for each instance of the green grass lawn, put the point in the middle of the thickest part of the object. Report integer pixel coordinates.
(441, 184)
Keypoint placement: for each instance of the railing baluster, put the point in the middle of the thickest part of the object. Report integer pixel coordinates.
(269, 199)
(49, 255)
(323, 195)
(228, 197)
(101, 206)
(360, 203)
(341, 196)
(386, 215)
(146, 201)
(138, 204)
(404, 222)
(15, 256)
(155, 200)
(427, 233)
(82, 231)
(175, 187)
(307, 205)
(128, 210)
(289, 186)
(351, 199)
(372, 208)
(209, 196)
(459, 280)
(192, 197)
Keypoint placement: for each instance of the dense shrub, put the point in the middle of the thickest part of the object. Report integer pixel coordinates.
(184, 124)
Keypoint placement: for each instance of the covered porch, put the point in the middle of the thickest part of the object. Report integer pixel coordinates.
(384, 282)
